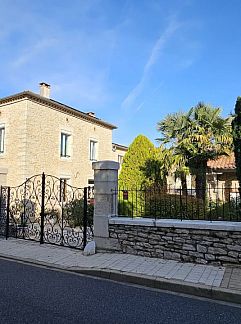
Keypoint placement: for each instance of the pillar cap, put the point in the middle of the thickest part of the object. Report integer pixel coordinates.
(105, 165)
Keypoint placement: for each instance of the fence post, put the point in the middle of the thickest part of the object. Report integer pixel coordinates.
(106, 195)
(8, 211)
(23, 215)
(42, 210)
(180, 195)
(85, 216)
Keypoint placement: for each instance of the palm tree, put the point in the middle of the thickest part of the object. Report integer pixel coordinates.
(199, 135)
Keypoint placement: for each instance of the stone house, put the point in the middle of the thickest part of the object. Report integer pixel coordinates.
(222, 183)
(118, 152)
(39, 134)
(221, 177)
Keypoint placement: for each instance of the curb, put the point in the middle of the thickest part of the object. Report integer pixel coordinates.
(214, 293)
(198, 290)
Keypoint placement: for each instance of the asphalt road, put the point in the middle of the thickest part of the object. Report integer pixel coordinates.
(30, 294)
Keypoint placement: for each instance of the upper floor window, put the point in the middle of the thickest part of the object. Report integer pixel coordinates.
(120, 159)
(64, 145)
(93, 150)
(2, 135)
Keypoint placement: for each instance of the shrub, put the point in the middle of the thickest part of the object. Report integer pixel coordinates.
(160, 204)
(74, 213)
(165, 205)
(125, 208)
(228, 211)
(133, 205)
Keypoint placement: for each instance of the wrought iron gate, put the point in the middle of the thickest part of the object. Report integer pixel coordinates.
(47, 209)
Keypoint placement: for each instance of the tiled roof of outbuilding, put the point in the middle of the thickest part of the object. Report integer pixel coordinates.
(224, 162)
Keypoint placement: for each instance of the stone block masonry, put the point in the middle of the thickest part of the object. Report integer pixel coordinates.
(200, 245)
(33, 136)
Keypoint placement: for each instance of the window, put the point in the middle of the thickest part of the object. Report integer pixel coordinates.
(120, 159)
(64, 145)
(2, 134)
(63, 188)
(91, 182)
(93, 150)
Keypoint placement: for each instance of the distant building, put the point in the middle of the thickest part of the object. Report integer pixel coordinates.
(118, 152)
(39, 134)
(222, 183)
(221, 177)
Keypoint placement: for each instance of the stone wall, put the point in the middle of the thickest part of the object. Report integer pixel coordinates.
(213, 246)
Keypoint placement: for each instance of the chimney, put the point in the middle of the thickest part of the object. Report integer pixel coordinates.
(91, 113)
(44, 89)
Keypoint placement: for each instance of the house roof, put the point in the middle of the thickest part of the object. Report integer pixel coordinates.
(224, 162)
(56, 105)
(120, 147)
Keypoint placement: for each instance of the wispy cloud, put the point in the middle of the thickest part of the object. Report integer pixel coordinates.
(76, 62)
(33, 51)
(152, 59)
(153, 92)
(90, 92)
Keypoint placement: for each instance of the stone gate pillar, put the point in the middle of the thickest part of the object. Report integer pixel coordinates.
(105, 182)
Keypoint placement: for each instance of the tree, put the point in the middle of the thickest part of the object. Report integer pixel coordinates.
(157, 168)
(180, 168)
(139, 152)
(236, 126)
(199, 135)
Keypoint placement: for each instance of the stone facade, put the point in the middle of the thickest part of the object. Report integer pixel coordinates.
(33, 126)
(204, 246)
(14, 118)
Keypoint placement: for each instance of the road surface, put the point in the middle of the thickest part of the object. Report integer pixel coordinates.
(31, 294)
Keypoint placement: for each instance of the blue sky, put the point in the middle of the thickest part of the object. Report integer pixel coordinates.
(129, 61)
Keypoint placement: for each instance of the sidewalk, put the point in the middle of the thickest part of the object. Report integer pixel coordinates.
(223, 283)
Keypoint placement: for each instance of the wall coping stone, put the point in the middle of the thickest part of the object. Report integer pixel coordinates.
(132, 221)
(105, 165)
(176, 223)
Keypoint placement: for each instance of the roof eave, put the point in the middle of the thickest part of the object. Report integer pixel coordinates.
(62, 107)
(215, 170)
(121, 147)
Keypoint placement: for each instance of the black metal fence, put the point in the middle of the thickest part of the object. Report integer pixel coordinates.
(47, 209)
(166, 203)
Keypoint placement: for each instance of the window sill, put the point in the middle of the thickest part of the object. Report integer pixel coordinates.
(65, 158)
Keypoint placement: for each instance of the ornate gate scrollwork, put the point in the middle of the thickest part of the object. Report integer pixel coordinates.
(47, 209)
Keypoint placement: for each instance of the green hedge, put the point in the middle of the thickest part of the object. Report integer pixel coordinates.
(162, 205)
(159, 204)
(175, 206)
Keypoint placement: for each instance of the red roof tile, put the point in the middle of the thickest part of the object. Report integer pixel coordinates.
(223, 162)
